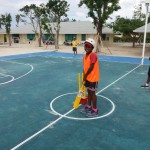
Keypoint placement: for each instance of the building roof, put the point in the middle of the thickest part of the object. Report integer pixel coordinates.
(80, 27)
(142, 29)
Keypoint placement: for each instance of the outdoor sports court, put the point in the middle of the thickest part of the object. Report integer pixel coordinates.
(36, 98)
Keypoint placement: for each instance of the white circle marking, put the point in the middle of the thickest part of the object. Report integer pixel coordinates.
(65, 116)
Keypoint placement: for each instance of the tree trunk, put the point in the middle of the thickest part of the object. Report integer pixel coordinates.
(9, 39)
(40, 37)
(133, 45)
(99, 35)
(98, 44)
(57, 35)
(134, 38)
(139, 40)
(57, 40)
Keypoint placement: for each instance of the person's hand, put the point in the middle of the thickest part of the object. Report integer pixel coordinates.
(83, 82)
(84, 77)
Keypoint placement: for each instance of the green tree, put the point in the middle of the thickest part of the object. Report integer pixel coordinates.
(57, 9)
(126, 27)
(0, 22)
(35, 16)
(6, 22)
(137, 14)
(19, 19)
(100, 11)
(73, 20)
(48, 19)
(66, 19)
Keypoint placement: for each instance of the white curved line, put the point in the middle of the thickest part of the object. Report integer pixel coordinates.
(61, 117)
(12, 78)
(21, 75)
(5, 75)
(74, 118)
(25, 73)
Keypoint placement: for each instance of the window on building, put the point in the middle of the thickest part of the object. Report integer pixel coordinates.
(30, 36)
(15, 35)
(48, 37)
(69, 37)
(103, 37)
(83, 37)
(16, 38)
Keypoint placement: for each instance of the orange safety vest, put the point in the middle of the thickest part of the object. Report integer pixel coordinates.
(94, 75)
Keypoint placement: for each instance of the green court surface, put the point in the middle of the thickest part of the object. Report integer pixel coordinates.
(36, 99)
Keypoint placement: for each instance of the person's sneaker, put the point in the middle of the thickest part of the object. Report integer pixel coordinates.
(92, 113)
(145, 85)
(86, 110)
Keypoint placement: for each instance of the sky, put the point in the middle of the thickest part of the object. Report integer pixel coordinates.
(127, 8)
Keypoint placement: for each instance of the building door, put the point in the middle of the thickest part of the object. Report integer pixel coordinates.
(16, 38)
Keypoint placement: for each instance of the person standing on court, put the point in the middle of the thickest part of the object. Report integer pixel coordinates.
(91, 77)
(74, 46)
(146, 85)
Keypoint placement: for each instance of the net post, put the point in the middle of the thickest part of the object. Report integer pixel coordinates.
(146, 20)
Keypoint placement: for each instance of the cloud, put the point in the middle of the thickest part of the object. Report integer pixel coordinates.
(76, 12)
(13, 6)
(127, 9)
(80, 14)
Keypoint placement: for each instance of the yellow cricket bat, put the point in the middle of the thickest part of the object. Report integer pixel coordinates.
(78, 98)
(81, 92)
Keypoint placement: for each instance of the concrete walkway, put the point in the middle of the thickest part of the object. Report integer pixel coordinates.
(117, 49)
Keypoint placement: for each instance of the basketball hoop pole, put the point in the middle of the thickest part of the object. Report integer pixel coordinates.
(146, 20)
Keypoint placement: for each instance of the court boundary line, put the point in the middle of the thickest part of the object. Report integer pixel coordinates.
(54, 53)
(119, 79)
(49, 125)
(13, 78)
(100, 60)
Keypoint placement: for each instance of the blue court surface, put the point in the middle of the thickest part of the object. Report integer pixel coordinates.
(36, 104)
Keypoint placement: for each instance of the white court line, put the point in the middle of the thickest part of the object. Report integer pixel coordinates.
(49, 125)
(5, 75)
(61, 117)
(118, 79)
(25, 73)
(87, 118)
(13, 79)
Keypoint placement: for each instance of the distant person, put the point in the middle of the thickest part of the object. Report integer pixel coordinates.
(74, 46)
(90, 77)
(43, 39)
(30, 41)
(146, 85)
